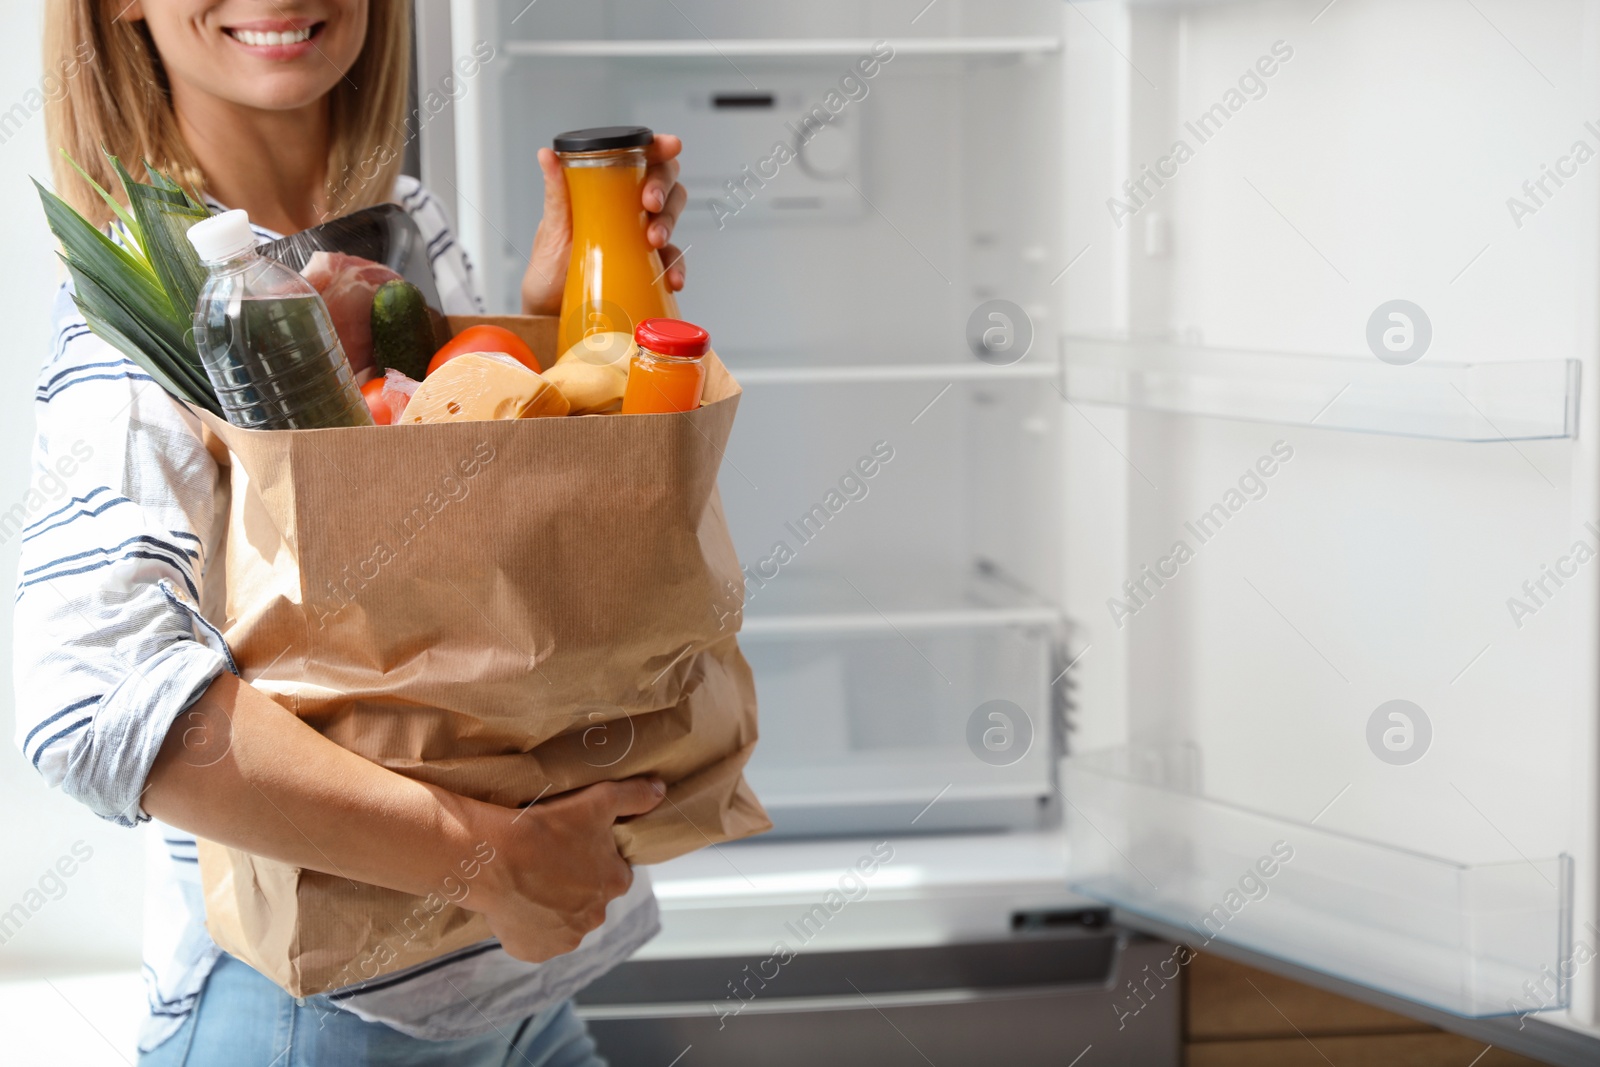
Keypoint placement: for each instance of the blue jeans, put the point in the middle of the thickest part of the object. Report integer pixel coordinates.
(243, 1020)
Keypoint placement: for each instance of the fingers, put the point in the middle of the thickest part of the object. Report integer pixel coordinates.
(631, 796)
(660, 178)
(664, 198)
(547, 264)
(662, 225)
(557, 209)
(663, 148)
(538, 948)
(616, 882)
(677, 270)
(658, 183)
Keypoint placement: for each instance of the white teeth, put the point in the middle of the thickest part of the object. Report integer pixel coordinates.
(268, 40)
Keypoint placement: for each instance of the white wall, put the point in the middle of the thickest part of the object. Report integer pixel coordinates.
(95, 924)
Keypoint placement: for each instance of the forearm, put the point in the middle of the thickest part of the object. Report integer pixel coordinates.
(239, 769)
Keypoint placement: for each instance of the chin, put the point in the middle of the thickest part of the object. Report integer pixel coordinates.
(287, 91)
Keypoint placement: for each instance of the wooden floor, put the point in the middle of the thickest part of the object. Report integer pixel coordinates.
(1235, 1016)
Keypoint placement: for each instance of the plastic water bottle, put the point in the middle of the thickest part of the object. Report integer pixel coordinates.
(266, 338)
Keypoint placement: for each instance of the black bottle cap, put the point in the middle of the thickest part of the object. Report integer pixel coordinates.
(604, 138)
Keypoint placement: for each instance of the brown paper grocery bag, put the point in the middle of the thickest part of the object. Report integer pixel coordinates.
(508, 610)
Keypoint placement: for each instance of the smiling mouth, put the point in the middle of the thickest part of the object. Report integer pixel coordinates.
(272, 39)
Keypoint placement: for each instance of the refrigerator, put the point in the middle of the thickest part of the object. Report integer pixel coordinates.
(1166, 485)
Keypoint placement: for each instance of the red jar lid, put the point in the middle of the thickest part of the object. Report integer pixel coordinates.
(672, 337)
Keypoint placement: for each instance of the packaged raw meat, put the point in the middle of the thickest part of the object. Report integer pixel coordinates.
(347, 284)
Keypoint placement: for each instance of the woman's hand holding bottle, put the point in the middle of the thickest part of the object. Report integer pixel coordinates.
(663, 201)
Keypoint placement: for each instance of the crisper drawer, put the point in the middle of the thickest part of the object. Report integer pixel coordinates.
(904, 722)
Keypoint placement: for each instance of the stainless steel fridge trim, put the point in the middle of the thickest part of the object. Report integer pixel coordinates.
(776, 1005)
(1533, 1037)
(999, 984)
(436, 143)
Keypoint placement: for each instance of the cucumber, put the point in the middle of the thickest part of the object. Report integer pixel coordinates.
(402, 329)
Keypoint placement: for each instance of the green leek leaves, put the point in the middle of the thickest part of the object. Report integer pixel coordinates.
(140, 300)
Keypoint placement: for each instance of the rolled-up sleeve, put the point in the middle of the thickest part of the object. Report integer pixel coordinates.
(110, 646)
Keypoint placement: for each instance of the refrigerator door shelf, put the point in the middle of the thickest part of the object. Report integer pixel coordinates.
(1522, 400)
(1476, 940)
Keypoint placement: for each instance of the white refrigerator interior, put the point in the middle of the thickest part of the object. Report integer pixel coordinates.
(1167, 429)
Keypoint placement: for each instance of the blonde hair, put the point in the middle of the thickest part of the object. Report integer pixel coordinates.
(113, 94)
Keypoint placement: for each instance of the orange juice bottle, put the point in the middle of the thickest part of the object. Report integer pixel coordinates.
(666, 374)
(615, 279)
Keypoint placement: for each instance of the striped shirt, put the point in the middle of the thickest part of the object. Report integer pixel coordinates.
(113, 642)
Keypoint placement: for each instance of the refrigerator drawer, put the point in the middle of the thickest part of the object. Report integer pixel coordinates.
(900, 728)
(1025, 1001)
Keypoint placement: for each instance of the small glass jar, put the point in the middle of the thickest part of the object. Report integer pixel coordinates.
(615, 279)
(667, 373)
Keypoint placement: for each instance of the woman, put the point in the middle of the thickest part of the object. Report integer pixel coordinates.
(295, 111)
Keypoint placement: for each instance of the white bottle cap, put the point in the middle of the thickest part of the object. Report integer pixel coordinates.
(222, 236)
